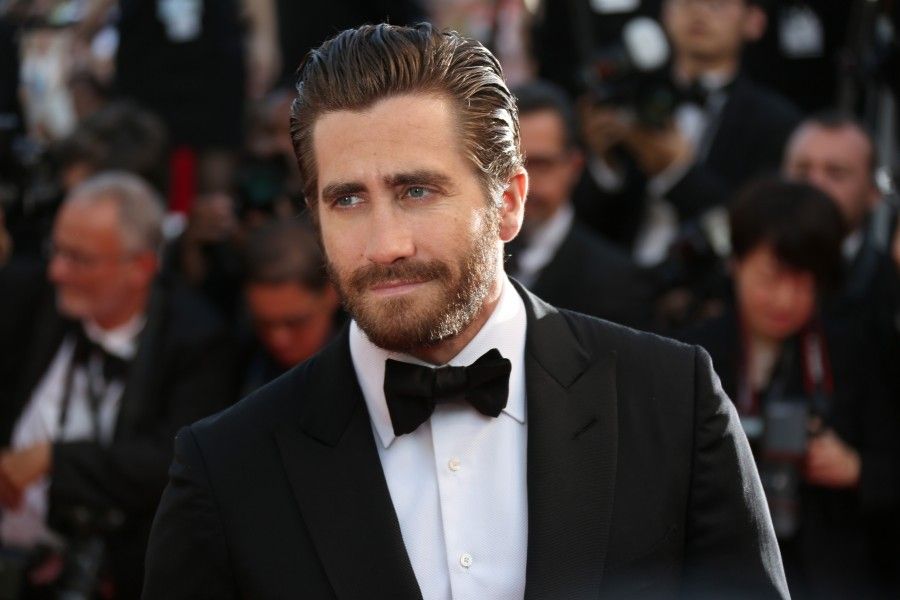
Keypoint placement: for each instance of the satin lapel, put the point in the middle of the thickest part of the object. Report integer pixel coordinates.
(336, 476)
(572, 442)
(144, 366)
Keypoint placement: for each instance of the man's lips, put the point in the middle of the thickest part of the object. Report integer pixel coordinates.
(395, 287)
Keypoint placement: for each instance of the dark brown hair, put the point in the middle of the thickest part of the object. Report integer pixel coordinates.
(359, 67)
(802, 224)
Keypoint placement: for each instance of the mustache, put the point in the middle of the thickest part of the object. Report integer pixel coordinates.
(412, 272)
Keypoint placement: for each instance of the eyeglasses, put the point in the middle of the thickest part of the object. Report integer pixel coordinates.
(80, 259)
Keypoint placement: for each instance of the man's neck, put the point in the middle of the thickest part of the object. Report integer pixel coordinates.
(125, 314)
(690, 68)
(444, 351)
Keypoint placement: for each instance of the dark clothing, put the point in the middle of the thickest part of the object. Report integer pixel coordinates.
(567, 35)
(202, 100)
(303, 26)
(175, 378)
(639, 482)
(805, 73)
(842, 533)
(591, 276)
(748, 139)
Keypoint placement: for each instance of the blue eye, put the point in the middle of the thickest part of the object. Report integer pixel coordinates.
(347, 201)
(417, 191)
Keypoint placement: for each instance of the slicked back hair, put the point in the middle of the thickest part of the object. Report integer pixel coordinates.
(359, 67)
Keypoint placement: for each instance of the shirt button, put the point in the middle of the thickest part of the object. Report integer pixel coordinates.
(454, 465)
(465, 560)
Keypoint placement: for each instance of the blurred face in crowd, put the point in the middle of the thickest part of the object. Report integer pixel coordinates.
(775, 300)
(411, 239)
(711, 30)
(97, 276)
(553, 167)
(838, 161)
(292, 321)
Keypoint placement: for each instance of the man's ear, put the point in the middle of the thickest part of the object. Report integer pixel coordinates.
(755, 23)
(512, 209)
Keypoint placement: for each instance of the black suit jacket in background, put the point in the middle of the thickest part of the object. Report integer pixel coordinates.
(640, 482)
(182, 372)
(589, 275)
(747, 142)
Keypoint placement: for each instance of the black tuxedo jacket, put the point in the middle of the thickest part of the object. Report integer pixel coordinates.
(178, 376)
(640, 482)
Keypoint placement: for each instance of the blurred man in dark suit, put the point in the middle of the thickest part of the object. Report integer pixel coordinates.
(293, 308)
(646, 180)
(556, 256)
(98, 377)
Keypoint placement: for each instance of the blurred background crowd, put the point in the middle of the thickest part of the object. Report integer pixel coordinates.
(719, 171)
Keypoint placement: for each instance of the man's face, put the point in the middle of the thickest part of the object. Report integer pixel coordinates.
(292, 321)
(838, 162)
(553, 167)
(411, 240)
(95, 276)
(708, 30)
(775, 300)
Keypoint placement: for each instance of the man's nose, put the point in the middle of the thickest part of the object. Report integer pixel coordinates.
(390, 235)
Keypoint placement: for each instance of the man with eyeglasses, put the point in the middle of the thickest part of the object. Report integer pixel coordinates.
(98, 376)
(555, 255)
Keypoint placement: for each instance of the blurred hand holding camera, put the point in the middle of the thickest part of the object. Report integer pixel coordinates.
(830, 462)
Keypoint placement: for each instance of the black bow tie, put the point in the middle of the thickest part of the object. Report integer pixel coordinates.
(114, 367)
(412, 391)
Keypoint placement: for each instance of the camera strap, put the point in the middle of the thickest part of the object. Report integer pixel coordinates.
(818, 380)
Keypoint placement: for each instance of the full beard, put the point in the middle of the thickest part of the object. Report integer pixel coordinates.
(404, 324)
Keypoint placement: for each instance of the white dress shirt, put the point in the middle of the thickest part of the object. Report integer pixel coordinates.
(39, 422)
(458, 482)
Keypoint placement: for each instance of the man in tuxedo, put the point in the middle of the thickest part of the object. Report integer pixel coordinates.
(646, 180)
(555, 255)
(460, 438)
(97, 373)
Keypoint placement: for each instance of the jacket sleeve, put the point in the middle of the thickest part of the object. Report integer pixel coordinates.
(731, 550)
(129, 474)
(187, 555)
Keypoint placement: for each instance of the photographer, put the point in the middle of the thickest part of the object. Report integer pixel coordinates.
(97, 375)
(810, 400)
(725, 131)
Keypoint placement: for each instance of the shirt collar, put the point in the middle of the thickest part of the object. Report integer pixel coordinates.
(504, 330)
(120, 341)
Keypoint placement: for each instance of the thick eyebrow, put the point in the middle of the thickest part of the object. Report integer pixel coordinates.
(342, 188)
(420, 177)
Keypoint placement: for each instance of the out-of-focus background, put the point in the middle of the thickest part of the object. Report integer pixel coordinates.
(720, 171)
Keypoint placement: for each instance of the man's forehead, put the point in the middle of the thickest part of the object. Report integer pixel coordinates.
(413, 133)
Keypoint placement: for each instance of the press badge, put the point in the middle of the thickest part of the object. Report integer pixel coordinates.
(800, 32)
(608, 7)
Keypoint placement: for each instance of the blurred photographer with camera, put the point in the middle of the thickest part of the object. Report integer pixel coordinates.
(810, 398)
(711, 132)
(97, 372)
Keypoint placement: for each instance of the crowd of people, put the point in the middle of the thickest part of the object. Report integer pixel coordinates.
(157, 263)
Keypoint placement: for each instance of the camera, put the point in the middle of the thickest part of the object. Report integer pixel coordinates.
(631, 73)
